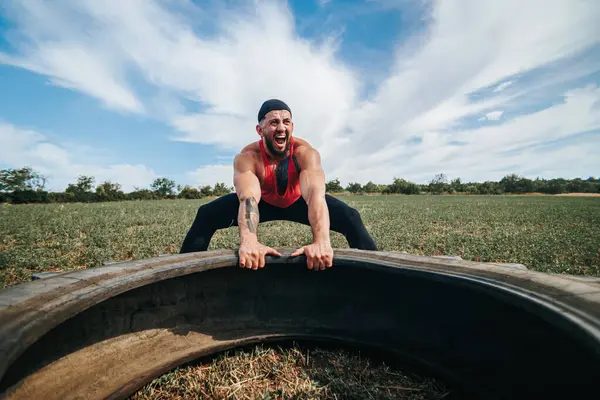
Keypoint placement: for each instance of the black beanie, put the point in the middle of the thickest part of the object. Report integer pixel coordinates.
(271, 105)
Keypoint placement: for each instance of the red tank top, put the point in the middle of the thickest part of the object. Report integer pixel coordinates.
(269, 190)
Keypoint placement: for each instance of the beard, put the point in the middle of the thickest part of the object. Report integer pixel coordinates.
(276, 152)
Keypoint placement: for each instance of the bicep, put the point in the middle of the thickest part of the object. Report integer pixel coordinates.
(245, 180)
(312, 176)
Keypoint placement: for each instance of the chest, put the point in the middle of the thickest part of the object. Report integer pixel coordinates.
(279, 174)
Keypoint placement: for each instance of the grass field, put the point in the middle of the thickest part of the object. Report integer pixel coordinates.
(546, 233)
(559, 234)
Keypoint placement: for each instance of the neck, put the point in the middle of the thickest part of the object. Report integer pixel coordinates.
(276, 156)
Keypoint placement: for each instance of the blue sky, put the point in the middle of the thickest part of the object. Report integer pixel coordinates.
(130, 91)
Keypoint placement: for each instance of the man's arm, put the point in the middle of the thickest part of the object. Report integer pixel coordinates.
(247, 187)
(312, 186)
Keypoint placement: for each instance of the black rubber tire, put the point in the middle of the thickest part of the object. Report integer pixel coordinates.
(488, 330)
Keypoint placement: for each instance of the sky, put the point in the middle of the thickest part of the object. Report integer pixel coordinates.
(129, 91)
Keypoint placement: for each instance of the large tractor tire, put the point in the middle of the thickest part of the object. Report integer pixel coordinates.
(488, 330)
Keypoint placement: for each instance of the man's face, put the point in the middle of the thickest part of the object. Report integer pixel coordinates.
(277, 128)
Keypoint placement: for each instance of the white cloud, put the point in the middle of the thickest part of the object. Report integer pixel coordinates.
(494, 115)
(578, 113)
(255, 56)
(429, 91)
(254, 53)
(242, 74)
(21, 147)
(66, 54)
(211, 174)
(492, 151)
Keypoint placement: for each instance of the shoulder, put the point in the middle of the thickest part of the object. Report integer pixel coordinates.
(307, 156)
(301, 144)
(247, 158)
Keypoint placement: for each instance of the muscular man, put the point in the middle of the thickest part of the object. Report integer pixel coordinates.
(278, 177)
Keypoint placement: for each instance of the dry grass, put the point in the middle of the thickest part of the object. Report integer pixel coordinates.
(579, 195)
(290, 372)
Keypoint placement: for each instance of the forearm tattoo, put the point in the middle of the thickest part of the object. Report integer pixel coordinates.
(252, 215)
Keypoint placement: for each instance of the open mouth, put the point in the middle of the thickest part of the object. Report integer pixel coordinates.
(280, 139)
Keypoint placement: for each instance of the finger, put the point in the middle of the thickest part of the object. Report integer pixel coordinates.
(316, 261)
(322, 263)
(274, 252)
(298, 252)
(329, 262)
(319, 263)
(261, 261)
(310, 262)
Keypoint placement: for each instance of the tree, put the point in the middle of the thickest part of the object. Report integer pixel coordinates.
(163, 187)
(188, 192)
(354, 187)
(457, 185)
(438, 184)
(471, 188)
(108, 191)
(84, 184)
(490, 187)
(206, 191)
(402, 186)
(334, 186)
(142, 194)
(370, 187)
(556, 186)
(21, 180)
(514, 183)
(81, 191)
(221, 189)
(381, 188)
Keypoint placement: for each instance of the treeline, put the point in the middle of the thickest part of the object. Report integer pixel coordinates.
(19, 186)
(512, 184)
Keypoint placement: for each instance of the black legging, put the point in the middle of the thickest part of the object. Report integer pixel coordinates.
(223, 212)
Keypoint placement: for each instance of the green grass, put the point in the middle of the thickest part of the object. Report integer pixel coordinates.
(546, 233)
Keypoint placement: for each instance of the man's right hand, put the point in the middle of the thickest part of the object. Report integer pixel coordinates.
(252, 254)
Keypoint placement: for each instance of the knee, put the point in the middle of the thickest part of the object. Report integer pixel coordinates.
(204, 214)
(210, 207)
(352, 215)
(202, 211)
(218, 213)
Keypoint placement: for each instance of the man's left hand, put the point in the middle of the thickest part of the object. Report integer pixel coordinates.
(319, 255)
